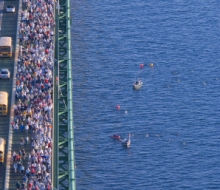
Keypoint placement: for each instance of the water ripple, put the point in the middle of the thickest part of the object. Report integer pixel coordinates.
(173, 119)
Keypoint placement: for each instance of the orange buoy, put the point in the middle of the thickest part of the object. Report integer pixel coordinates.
(141, 65)
(118, 107)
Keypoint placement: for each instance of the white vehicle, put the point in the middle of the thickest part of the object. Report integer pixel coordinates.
(10, 9)
(4, 74)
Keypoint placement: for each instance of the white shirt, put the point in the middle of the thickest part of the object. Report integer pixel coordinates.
(26, 127)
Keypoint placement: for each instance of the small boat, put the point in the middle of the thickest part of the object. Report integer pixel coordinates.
(126, 142)
(137, 85)
(116, 136)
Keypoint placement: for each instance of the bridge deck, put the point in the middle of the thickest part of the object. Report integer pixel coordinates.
(8, 27)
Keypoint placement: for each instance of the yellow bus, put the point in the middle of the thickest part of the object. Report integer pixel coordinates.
(5, 47)
(3, 103)
(2, 150)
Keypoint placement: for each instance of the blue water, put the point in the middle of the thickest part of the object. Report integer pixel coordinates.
(174, 119)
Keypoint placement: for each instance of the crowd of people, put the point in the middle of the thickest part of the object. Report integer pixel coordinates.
(34, 105)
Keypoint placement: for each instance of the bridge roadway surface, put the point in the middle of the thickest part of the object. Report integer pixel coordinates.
(9, 23)
(8, 27)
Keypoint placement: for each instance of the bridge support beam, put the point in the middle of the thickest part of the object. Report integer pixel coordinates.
(63, 131)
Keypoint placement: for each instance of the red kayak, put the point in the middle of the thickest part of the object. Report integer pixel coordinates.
(116, 136)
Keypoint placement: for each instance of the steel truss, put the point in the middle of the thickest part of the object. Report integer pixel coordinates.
(63, 172)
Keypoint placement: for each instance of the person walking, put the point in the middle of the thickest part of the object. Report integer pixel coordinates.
(15, 167)
(23, 153)
(19, 166)
(22, 127)
(26, 128)
(22, 142)
(14, 156)
(18, 158)
(16, 127)
(27, 140)
(28, 172)
(18, 185)
(33, 172)
(23, 186)
(20, 153)
(25, 179)
(29, 157)
(22, 169)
